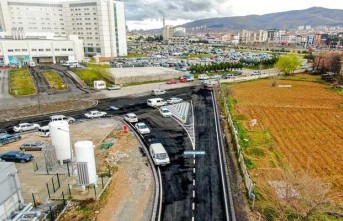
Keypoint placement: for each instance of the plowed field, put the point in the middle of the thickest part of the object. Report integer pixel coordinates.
(305, 123)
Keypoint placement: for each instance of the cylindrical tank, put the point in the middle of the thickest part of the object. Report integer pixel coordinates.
(60, 139)
(84, 152)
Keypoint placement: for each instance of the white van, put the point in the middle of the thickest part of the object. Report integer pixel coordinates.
(158, 92)
(159, 154)
(156, 102)
(62, 118)
(44, 131)
(71, 64)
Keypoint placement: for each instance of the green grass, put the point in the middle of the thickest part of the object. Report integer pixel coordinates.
(144, 82)
(302, 77)
(55, 80)
(21, 83)
(92, 65)
(91, 75)
(337, 90)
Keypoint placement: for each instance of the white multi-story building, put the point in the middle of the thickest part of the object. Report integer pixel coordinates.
(16, 50)
(99, 23)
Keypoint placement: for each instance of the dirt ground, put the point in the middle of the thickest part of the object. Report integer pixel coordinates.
(301, 126)
(25, 111)
(129, 195)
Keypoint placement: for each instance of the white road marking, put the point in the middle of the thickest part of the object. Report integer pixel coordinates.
(193, 170)
(193, 206)
(193, 182)
(193, 193)
(194, 161)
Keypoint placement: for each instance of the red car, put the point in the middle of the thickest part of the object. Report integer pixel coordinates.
(183, 80)
(172, 82)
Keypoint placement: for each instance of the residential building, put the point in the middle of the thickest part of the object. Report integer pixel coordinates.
(99, 23)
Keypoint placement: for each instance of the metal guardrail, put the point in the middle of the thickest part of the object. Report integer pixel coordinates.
(157, 207)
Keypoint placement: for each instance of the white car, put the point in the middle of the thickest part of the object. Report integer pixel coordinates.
(203, 77)
(25, 127)
(142, 128)
(174, 100)
(95, 113)
(131, 117)
(165, 112)
(114, 87)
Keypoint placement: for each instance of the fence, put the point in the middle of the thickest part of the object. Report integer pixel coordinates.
(249, 184)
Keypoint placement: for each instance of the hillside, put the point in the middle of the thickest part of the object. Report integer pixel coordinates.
(314, 16)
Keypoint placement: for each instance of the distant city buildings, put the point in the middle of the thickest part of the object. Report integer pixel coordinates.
(100, 24)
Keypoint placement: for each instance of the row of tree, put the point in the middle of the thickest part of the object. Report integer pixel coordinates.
(227, 66)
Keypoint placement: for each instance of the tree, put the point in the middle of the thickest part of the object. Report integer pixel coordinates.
(296, 194)
(288, 63)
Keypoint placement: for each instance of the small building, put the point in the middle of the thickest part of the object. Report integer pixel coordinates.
(22, 48)
(11, 199)
(179, 38)
(100, 85)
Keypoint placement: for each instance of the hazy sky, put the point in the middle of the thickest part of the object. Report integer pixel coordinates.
(147, 14)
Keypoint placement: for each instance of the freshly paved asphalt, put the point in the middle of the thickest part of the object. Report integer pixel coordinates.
(179, 203)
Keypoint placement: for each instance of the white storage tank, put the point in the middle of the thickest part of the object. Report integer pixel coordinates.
(84, 153)
(60, 139)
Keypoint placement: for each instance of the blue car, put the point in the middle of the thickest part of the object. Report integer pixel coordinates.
(16, 156)
(8, 138)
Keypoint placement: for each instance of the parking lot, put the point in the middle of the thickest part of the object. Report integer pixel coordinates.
(93, 130)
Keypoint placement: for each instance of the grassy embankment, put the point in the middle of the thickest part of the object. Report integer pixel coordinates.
(21, 83)
(55, 80)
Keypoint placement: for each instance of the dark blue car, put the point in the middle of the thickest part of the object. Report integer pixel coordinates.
(16, 156)
(8, 138)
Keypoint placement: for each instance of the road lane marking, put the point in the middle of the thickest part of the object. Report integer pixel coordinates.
(193, 182)
(192, 218)
(193, 206)
(193, 193)
(194, 161)
(194, 170)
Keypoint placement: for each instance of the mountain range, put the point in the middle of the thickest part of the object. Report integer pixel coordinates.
(315, 16)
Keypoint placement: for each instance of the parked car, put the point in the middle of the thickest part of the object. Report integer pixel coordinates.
(62, 118)
(25, 127)
(131, 117)
(3, 131)
(142, 128)
(16, 156)
(174, 100)
(95, 113)
(114, 87)
(165, 112)
(203, 77)
(8, 138)
(209, 87)
(172, 82)
(33, 145)
(158, 92)
(44, 131)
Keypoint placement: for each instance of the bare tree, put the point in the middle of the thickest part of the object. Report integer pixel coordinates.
(296, 192)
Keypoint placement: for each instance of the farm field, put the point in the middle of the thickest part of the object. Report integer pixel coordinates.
(299, 127)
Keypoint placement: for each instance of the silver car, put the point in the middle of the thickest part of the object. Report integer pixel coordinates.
(33, 145)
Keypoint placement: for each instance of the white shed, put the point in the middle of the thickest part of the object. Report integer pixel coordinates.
(100, 85)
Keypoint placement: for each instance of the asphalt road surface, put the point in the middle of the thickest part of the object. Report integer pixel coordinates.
(209, 200)
(191, 189)
(177, 177)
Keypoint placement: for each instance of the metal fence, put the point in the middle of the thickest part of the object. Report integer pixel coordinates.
(249, 184)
